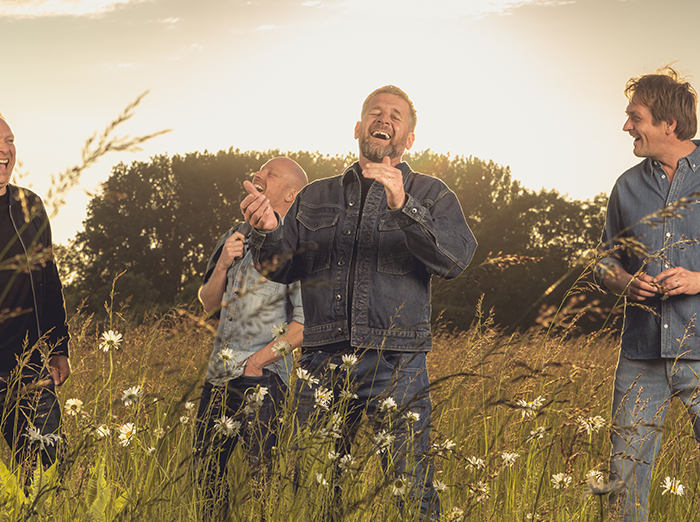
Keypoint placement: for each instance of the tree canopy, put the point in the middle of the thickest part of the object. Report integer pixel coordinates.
(160, 220)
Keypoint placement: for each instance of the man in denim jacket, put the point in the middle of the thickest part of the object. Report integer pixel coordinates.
(365, 245)
(652, 258)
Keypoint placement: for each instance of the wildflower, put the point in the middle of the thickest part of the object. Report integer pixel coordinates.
(332, 366)
(226, 426)
(184, 419)
(591, 424)
(537, 433)
(306, 377)
(387, 405)
(282, 347)
(382, 441)
(280, 329)
(34, 435)
(189, 406)
(73, 407)
(399, 486)
(529, 409)
(480, 491)
(454, 515)
(349, 360)
(561, 481)
(346, 462)
(101, 431)
(476, 463)
(596, 475)
(444, 447)
(439, 485)
(412, 416)
(226, 355)
(347, 394)
(333, 455)
(254, 400)
(159, 433)
(132, 395)
(321, 480)
(151, 450)
(509, 458)
(110, 340)
(672, 485)
(126, 433)
(323, 397)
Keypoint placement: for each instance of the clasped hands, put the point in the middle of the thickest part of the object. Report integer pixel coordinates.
(670, 282)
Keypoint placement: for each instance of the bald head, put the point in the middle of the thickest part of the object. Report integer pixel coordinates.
(280, 179)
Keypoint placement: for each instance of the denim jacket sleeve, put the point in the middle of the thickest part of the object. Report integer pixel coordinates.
(436, 232)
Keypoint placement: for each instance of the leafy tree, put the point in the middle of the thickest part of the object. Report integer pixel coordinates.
(159, 221)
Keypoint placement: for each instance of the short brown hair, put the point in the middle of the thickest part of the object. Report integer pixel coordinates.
(392, 89)
(669, 97)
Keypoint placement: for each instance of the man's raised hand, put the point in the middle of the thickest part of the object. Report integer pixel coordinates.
(257, 210)
(391, 178)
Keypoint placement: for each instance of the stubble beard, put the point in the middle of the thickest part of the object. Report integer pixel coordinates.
(376, 152)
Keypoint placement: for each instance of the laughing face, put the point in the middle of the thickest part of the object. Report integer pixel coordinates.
(384, 129)
(650, 139)
(7, 155)
(273, 180)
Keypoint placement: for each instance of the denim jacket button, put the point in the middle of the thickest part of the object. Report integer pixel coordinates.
(352, 203)
(340, 330)
(338, 297)
(341, 263)
(346, 232)
(414, 210)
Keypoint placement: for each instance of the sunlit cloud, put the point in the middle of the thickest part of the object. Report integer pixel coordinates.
(442, 8)
(50, 8)
(312, 3)
(171, 20)
(266, 27)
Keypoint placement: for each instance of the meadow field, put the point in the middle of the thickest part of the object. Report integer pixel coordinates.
(520, 432)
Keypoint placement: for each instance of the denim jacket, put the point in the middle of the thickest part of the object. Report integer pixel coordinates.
(659, 330)
(398, 251)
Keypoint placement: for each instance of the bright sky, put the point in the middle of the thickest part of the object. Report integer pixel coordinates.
(533, 84)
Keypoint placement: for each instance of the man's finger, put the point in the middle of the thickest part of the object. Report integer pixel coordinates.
(250, 188)
(386, 161)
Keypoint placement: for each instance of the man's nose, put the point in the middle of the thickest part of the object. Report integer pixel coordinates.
(627, 126)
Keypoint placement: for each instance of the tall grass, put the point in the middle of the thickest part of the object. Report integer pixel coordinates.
(511, 413)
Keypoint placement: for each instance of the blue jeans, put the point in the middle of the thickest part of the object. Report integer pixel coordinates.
(39, 407)
(213, 451)
(377, 376)
(642, 394)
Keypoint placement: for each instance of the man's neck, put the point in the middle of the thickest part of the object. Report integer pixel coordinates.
(669, 160)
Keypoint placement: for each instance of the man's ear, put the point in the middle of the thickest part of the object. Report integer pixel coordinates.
(291, 195)
(357, 130)
(671, 127)
(409, 140)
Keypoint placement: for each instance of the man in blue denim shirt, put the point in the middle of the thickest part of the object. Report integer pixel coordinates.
(248, 372)
(652, 257)
(365, 245)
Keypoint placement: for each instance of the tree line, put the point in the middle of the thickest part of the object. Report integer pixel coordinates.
(157, 222)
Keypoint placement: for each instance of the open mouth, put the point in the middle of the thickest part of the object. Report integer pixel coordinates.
(259, 187)
(381, 135)
(4, 163)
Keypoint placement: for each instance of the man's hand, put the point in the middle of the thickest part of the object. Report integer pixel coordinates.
(642, 287)
(391, 178)
(257, 210)
(60, 369)
(233, 249)
(251, 368)
(677, 281)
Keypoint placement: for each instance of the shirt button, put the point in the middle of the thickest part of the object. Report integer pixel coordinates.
(663, 177)
(666, 326)
(668, 234)
(338, 297)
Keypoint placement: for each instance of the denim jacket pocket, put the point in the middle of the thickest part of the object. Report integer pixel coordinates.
(394, 257)
(321, 226)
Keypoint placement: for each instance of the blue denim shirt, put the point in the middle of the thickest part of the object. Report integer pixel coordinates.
(253, 306)
(639, 192)
(398, 251)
